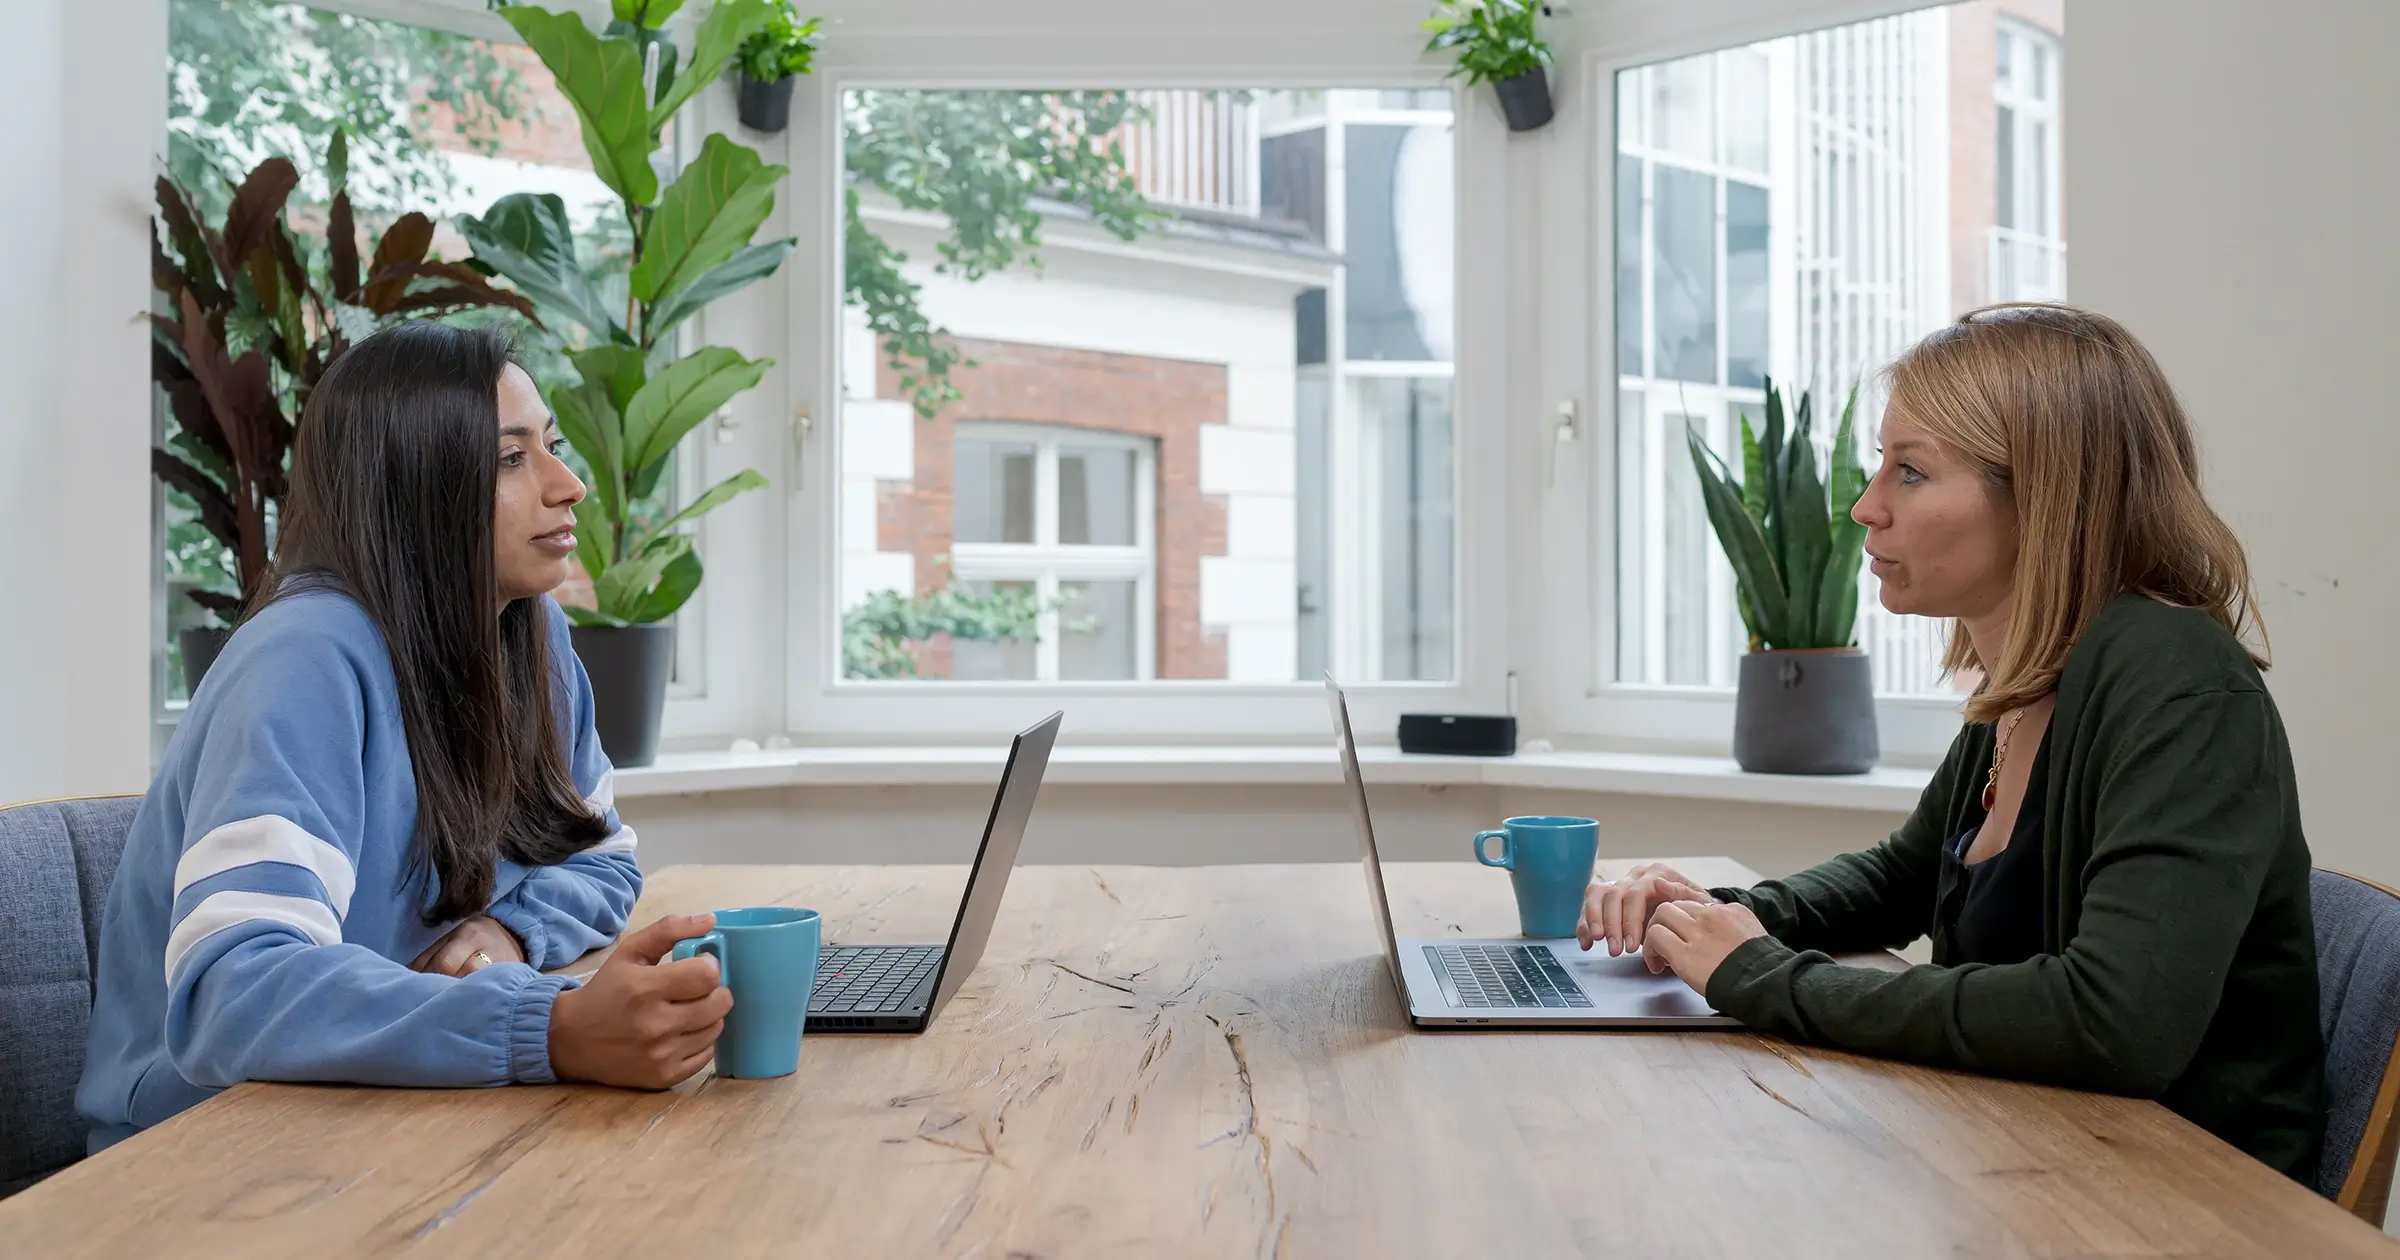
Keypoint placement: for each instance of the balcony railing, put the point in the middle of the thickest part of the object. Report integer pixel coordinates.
(1196, 151)
(2023, 268)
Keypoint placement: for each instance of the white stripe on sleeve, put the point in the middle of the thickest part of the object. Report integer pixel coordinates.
(269, 839)
(232, 907)
(619, 841)
(604, 793)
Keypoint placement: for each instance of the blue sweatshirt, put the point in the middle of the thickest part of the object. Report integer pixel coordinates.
(263, 919)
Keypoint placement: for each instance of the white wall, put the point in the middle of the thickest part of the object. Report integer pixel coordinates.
(2231, 173)
(1092, 823)
(75, 201)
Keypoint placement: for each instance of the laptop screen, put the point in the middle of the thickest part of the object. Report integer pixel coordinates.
(1003, 833)
(1348, 747)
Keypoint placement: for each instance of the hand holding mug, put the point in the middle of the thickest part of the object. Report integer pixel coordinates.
(639, 1021)
(1618, 910)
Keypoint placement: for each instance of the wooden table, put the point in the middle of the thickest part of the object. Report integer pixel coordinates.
(1207, 1062)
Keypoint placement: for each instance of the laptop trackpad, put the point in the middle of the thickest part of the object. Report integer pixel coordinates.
(1623, 986)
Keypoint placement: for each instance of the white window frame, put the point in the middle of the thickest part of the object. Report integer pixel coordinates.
(1046, 562)
(822, 706)
(1583, 700)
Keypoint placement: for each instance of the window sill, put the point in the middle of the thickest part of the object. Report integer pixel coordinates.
(1888, 789)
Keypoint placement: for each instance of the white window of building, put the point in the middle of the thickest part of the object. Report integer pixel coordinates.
(1786, 210)
(1055, 531)
(2027, 257)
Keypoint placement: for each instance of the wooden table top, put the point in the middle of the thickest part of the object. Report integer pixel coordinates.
(1189, 1061)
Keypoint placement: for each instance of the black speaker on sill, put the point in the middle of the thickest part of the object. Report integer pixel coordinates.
(1458, 734)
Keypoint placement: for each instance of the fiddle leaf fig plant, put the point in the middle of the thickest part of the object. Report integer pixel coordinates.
(1787, 530)
(692, 243)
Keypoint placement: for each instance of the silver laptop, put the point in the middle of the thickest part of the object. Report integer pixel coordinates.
(1512, 982)
(897, 988)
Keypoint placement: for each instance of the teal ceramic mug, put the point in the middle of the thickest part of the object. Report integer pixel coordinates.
(768, 956)
(1549, 863)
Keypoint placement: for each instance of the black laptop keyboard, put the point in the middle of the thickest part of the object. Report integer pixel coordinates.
(870, 979)
(1512, 976)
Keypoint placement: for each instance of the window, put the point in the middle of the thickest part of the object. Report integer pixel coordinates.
(2027, 257)
(1058, 525)
(1147, 385)
(1787, 210)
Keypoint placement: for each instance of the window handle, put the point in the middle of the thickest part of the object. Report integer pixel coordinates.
(1563, 431)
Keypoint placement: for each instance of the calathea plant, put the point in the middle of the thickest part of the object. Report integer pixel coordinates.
(255, 314)
(691, 244)
(1787, 531)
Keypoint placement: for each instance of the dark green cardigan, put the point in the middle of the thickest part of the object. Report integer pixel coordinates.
(2178, 960)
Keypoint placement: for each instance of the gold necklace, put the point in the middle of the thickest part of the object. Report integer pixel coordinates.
(1991, 785)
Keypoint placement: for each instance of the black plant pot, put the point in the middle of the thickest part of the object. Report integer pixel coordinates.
(765, 107)
(1525, 99)
(200, 646)
(629, 667)
(1805, 713)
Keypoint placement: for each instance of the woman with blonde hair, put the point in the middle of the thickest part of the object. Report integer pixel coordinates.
(2109, 861)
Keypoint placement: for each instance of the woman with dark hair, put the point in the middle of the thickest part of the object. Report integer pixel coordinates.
(386, 812)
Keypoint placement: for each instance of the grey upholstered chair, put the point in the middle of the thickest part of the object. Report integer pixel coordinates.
(56, 861)
(2358, 1008)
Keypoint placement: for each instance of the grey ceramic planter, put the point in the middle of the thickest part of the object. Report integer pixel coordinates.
(629, 666)
(1805, 713)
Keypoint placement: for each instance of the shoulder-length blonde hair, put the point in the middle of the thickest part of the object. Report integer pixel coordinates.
(2068, 415)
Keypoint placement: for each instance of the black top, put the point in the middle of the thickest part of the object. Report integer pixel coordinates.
(1993, 908)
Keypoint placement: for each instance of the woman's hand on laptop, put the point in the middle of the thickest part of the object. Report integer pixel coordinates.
(1618, 910)
(1692, 940)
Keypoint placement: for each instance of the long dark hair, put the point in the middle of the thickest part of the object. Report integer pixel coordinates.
(393, 473)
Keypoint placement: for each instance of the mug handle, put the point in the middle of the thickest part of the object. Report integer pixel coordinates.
(1508, 854)
(712, 944)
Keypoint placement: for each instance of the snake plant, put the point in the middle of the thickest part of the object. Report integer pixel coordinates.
(1787, 530)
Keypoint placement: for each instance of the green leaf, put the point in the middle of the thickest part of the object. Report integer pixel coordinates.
(728, 23)
(595, 538)
(1837, 591)
(602, 79)
(589, 616)
(618, 369)
(649, 13)
(1808, 537)
(705, 217)
(525, 237)
(592, 428)
(337, 163)
(749, 265)
(1745, 547)
(1770, 454)
(1754, 476)
(676, 583)
(620, 592)
(1847, 473)
(716, 497)
(645, 482)
(676, 399)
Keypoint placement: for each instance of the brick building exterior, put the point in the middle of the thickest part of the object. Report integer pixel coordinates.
(1165, 400)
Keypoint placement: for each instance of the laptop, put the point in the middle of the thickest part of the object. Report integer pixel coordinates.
(1511, 982)
(897, 988)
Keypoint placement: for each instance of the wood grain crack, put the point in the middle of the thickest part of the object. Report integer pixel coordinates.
(1097, 878)
(1105, 984)
(1270, 1243)
(1769, 1091)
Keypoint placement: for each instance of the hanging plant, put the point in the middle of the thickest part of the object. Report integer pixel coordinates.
(1496, 43)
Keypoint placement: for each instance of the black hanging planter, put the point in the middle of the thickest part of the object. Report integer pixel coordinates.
(765, 107)
(1805, 713)
(1525, 99)
(200, 645)
(629, 666)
